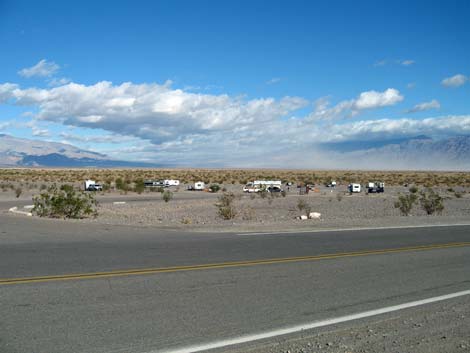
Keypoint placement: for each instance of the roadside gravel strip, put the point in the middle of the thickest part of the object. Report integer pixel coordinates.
(439, 327)
(318, 324)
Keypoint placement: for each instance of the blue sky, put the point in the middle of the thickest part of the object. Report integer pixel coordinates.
(207, 79)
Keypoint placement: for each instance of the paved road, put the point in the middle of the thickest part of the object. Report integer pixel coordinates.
(166, 310)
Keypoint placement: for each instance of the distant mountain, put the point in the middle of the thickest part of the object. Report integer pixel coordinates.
(21, 152)
(350, 146)
(414, 153)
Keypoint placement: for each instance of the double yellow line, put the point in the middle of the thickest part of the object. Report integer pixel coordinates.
(147, 271)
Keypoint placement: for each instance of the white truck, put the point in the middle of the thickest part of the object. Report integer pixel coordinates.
(258, 185)
(375, 187)
(91, 185)
(354, 187)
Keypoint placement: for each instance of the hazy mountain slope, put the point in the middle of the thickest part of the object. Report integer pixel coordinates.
(25, 152)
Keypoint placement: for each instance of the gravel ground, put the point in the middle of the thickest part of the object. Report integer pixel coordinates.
(436, 328)
(198, 211)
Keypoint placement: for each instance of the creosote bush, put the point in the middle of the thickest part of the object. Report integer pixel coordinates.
(64, 202)
(431, 202)
(226, 208)
(167, 195)
(18, 192)
(214, 187)
(405, 203)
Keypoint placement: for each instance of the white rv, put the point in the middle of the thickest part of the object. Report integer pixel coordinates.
(199, 185)
(258, 185)
(354, 187)
(171, 182)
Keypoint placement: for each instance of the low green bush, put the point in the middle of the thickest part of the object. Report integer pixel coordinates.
(64, 202)
(405, 203)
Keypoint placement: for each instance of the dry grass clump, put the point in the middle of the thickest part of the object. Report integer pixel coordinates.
(233, 176)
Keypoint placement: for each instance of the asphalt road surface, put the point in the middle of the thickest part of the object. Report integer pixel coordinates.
(103, 300)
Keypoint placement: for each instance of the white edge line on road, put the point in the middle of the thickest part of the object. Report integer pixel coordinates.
(312, 325)
(353, 229)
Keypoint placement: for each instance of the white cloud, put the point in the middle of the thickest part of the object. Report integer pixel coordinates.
(454, 81)
(40, 132)
(156, 122)
(273, 81)
(374, 99)
(366, 100)
(407, 62)
(380, 63)
(54, 82)
(150, 111)
(43, 68)
(434, 104)
(411, 85)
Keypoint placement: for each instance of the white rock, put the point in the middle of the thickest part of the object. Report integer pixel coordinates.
(314, 215)
(303, 217)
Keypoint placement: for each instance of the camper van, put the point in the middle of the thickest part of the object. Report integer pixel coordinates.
(198, 186)
(354, 187)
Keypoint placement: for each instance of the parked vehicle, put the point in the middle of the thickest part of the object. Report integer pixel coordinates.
(171, 182)
(354, 187)
(274, 188)
(258, 185)
(154, 183)
(375, 187)
(91, 185)
(331, 184)
(198, 186)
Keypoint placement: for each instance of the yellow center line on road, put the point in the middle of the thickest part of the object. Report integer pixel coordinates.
(146, 271)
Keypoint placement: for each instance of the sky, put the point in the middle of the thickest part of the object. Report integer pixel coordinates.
(232, 83)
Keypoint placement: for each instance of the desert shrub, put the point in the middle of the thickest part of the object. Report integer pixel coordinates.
(458, 195)
(339, 197)
(303, 206)
(226, 207)
(283, 193)
(263, 193)
(431, 202)
(413, 189)
(121, 185)
(43, 187)
(186, 220)
(64, 202)
(18, 192)
(139, 186)
(214, 187)
(167, 195)
(405, 203)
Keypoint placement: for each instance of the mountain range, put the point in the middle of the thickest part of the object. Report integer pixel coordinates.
(21, 152)
(417, 153)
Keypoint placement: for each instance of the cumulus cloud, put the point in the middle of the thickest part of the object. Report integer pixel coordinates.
(454, 81)
(156, 122)
(150, 111)
(43, 68)
(366, 100)
(421, 107)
